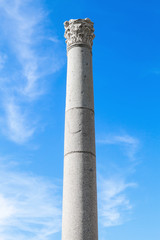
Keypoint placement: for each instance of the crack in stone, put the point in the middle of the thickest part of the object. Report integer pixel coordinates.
(75, 132)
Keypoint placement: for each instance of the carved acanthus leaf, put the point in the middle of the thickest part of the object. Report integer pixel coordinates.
(79, 31)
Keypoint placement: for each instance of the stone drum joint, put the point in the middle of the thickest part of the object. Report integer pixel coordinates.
(79, 220)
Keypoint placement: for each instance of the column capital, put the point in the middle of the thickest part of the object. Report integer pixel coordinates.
(79, 32)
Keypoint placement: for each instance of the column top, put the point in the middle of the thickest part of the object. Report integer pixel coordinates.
(79, 32)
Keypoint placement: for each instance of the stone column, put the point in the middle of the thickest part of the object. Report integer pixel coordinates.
(79, 221)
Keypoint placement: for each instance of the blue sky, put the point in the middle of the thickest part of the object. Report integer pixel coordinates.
(126, 68)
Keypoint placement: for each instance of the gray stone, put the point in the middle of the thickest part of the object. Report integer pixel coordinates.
(79, 221)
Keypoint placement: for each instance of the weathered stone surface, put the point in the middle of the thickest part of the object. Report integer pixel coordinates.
(79, 78)
(79, 185)
(79, 198)
(79, 131)
(79, 31)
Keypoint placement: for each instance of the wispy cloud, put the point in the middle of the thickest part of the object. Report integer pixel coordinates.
(24, 36)
(114, 205)
(130, 143)
(3, 58)
(30, 207)
(16, 126)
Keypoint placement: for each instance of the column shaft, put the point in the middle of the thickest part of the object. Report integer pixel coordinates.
(79, 185)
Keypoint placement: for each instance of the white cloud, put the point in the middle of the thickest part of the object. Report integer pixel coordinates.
(21, 28)
(16, 127)
(3, 58)
(114, 202)
(53, 39)
(29, 206)
(114, 205)
(130, 143)
(23, 34)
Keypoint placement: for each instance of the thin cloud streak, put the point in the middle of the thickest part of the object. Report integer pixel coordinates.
(114, 207)
(29, 206)
(21, 30)
(3, 58)
(130, 143)
(16, 127)
(25, 37)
